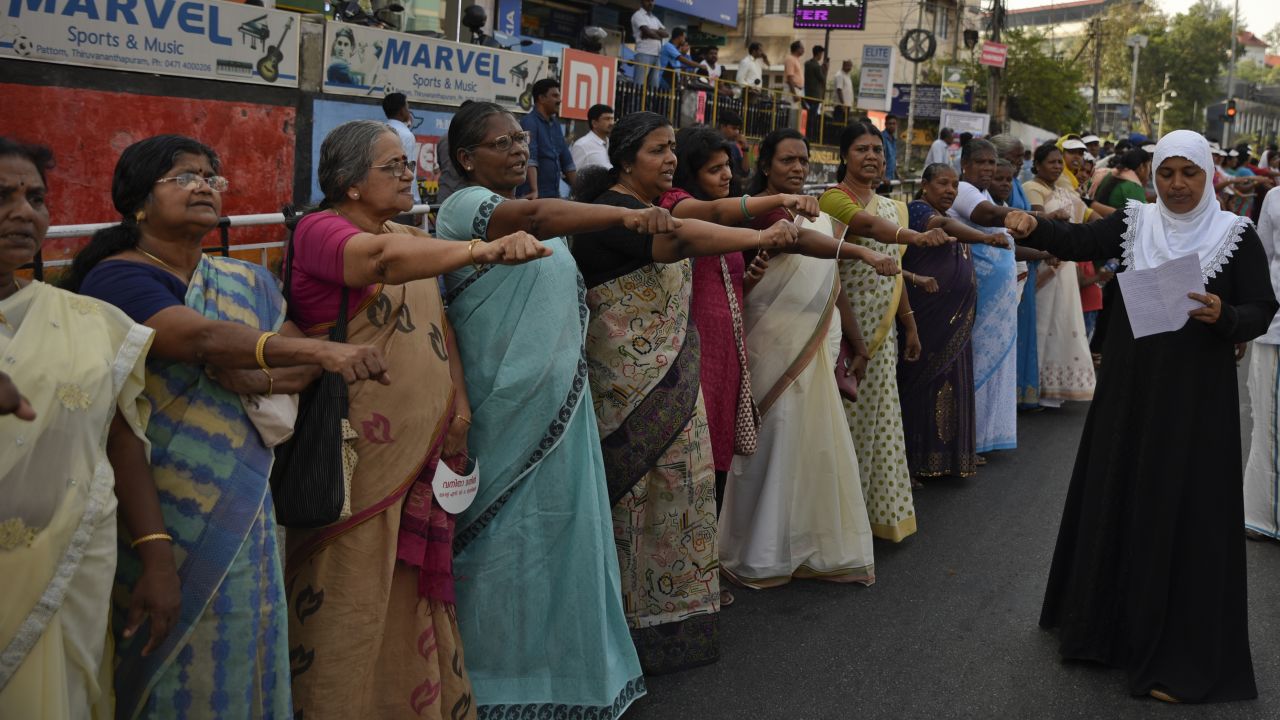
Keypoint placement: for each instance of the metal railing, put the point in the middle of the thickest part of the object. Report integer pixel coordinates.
(685, 98)
(223, 247)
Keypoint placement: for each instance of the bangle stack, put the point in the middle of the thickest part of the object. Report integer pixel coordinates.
(746, 214)
(151, 537)
(471, 249)
(260, 353)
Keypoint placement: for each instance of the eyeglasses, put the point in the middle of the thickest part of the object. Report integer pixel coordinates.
(193, 181)
(398, 166)
(502, 143)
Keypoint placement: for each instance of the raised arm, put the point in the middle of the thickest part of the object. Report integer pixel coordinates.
(397, 258)
(552, 217)
(695, 238)
(990, 215)
(729, 211)
(1068, 241)
(966, 234)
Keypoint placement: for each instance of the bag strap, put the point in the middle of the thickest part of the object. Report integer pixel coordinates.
(338, 333)
(735, 312)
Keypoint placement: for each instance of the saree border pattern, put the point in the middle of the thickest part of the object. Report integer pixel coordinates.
(634, 689)
(551, 438)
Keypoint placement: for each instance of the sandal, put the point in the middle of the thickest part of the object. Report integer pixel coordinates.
(1164, 697)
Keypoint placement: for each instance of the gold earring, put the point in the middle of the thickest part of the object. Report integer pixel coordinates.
(140, 216)
(355, 196)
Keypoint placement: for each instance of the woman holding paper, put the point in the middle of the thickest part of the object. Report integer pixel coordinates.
(1149, 571)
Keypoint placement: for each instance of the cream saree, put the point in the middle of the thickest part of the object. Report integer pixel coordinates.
(795, 508)
(78, 361)
(1062, 344)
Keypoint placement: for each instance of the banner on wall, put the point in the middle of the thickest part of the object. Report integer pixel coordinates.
(369, 62)
(588, 79)
(203, 39)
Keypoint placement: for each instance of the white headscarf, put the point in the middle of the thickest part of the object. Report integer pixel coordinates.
(1157, 235)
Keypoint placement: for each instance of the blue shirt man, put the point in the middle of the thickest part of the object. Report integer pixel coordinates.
(890, 147)
(672, 60)
(549, 154)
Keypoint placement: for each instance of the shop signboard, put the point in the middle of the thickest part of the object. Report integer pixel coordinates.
(201, 39)
(929, 101)
(875, 83)
(369, 62)
(587, 79)
(724, 12)
(830, 14)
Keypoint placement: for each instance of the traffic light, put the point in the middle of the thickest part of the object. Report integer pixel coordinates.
(1231, 110)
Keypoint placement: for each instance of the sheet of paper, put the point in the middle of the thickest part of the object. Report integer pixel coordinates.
(1156, 298)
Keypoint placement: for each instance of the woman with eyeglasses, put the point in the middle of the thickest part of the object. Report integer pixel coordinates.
(372, 597)
(219, 333)
(538, 536)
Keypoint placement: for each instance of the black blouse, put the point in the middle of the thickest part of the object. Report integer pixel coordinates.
(606, 255)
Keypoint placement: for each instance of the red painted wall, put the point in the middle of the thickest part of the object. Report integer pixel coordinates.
(88, 129)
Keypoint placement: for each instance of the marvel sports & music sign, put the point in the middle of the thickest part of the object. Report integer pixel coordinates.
(190, 38)
(831, 14)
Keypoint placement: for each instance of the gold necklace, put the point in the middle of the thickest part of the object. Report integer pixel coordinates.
(865, 203)
(166, 265)
(633, 194)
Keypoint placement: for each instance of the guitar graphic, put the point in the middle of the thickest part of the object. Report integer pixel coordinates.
(269, 65)
(526, 98)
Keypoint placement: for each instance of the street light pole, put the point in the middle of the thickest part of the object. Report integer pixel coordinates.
(1165, 93)
(1097, 71)
(1137, 42)
(1231, 72)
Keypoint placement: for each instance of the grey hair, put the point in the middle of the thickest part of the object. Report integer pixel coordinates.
(346, 156)
(977, 146)
(1005, 143)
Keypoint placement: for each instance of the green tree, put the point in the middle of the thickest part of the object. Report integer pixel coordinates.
(1039, 87)
(1192, 48)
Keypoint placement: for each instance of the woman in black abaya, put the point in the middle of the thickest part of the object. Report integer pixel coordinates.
(1149, 570)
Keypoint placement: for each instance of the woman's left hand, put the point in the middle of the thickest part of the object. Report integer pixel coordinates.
(802, 205)
(911, 346)
(858, 366)
(238, 381)
(1019, 224)
(932, 238)
(158, 595)
(926, 283)
(650, 221)
(1211, 311)
(455, 440)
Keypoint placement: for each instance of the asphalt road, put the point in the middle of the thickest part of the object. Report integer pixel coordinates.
(949, 629)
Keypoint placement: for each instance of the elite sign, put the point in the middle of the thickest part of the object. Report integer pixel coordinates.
(370, 62)
(191, 38)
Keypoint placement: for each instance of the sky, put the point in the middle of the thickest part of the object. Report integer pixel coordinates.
(1259, 16)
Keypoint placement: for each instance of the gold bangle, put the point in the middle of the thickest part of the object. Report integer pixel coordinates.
(896, 234)
(462, 418)
(149, 538)
(271, 382)
(471, 249)
(759, 239)
(260, 351)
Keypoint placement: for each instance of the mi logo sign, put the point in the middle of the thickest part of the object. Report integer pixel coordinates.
(588, 79)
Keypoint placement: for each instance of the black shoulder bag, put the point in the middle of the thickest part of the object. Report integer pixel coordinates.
(311, 477)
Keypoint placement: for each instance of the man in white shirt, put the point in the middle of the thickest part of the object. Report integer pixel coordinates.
(396, 107)
(593, 148)
(750, 71)
(938, 151)
(711, 62)
(649, 33)
(844, 91)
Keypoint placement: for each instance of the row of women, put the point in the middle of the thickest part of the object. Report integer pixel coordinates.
(688, 334)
